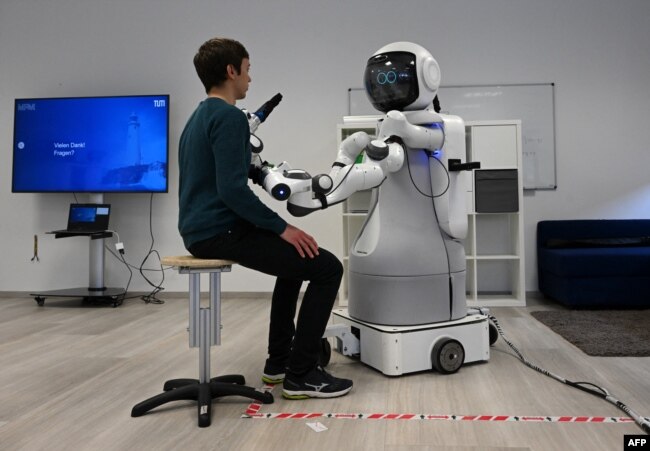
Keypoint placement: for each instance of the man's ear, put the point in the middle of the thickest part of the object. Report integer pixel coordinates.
(231, 71)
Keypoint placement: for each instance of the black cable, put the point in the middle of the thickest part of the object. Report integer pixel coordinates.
(129, 266)
(408, 166)
(126, 290)
(343, 179)
(121, 258)
(442, 236)
(435, 213)
(446, 173)
(151, 297)
(164, 268)
(588, 387)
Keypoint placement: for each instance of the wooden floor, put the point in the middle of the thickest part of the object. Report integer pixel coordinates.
(69, 375)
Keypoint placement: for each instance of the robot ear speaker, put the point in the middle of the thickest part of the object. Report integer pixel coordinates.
(431, 73)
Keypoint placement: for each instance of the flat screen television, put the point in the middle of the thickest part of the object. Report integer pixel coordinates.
(91, 144)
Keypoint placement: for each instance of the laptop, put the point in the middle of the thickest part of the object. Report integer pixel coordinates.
(87, 218)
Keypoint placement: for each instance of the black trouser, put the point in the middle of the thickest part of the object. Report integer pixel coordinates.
(264, 251)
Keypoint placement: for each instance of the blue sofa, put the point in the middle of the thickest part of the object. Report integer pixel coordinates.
(595, 263)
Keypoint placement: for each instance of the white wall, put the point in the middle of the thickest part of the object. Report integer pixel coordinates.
(596, 51)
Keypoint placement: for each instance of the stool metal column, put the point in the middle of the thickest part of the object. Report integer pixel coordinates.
(204, 331)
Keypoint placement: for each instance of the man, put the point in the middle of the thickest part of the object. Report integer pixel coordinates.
(221, 217)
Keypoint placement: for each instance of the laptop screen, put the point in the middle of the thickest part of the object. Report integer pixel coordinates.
(88, 217)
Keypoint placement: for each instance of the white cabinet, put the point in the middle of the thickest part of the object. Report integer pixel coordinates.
(494, 244)
(493, 144)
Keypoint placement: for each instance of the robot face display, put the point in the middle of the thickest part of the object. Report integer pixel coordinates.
(401, 76)
(391, 80)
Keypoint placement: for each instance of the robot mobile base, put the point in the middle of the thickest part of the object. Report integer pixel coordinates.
(397, 350)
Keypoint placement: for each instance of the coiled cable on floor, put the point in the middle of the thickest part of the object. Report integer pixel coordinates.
(587, 387)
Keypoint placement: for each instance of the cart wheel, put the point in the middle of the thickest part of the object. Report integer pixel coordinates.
(40, 300)
(494, 334)
(447, 356)
(325, 352)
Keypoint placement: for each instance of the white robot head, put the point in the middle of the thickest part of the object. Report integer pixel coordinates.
(401, 76)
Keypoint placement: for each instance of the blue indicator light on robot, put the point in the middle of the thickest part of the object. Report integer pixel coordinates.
(281, 192)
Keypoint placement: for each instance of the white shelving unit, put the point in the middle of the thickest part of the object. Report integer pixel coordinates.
(495, 244)
(355, 208)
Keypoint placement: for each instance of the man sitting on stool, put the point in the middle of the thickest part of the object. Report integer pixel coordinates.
(221, 218)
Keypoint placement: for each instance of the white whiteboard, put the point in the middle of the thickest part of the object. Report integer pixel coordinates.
(533, 104)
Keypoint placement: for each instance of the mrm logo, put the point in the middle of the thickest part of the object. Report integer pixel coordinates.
(636, 442)
(26, 107)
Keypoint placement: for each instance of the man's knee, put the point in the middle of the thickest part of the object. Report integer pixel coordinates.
(336, 268)
(332, 268)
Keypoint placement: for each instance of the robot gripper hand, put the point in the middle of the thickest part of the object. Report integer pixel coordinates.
(259, 116)
(296, 185)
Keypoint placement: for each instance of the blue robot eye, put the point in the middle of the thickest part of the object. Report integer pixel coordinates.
(387, 77)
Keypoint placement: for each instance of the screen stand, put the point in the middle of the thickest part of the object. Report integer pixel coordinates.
(96, 291)
(96, 256)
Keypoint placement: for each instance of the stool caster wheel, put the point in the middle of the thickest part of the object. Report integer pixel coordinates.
(267, 398)
(39, 300)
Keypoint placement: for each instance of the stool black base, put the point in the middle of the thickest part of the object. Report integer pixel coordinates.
(203, 393)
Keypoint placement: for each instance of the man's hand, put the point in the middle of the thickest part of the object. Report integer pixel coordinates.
(304, 243)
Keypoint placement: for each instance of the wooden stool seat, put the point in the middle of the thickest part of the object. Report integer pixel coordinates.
(204, 331)
(189, 261)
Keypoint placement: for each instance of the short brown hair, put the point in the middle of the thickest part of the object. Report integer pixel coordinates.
(213, 58)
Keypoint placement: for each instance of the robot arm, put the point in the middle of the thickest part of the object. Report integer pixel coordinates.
(259, 116)
(306, 194)
(443, 139)
(382, 158)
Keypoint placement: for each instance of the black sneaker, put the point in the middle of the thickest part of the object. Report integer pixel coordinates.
(273, 373)
(317, 383)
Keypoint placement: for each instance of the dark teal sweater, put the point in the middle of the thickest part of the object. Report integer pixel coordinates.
(214, 157)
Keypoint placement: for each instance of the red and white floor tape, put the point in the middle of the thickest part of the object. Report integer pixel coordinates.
(253, 411)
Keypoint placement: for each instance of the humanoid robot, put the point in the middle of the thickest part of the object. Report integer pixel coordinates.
(407, 306)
